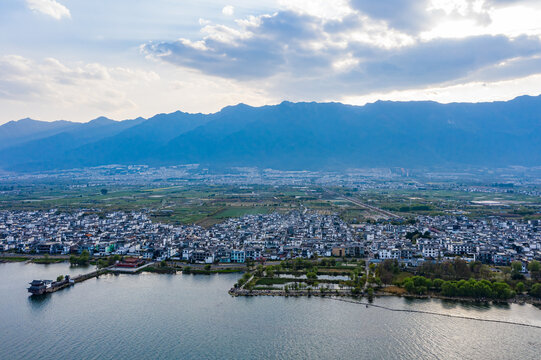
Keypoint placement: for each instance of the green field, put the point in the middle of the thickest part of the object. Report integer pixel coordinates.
(210, 204)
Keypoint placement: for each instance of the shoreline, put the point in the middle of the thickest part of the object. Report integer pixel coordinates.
(198, 269)
(33, 259)
(346, 293)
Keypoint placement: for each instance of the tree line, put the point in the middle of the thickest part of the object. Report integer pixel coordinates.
(479, 289)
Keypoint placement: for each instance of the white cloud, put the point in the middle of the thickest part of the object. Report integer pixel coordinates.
(51, 89)
(266, 51)
(299, 54)
(228, 10)
(503, 22)
(91, 86)
(204, 22)
(480, 91)
(325, 9)
(49, 7)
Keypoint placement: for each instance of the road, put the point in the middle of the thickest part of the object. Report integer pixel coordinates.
(373, 208)
(366, 206)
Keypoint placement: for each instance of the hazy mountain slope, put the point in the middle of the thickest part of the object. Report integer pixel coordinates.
(20, 131)
(137, 144)
(310, 136)
(52, 151)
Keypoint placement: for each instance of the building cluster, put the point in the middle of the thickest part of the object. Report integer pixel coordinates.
(492, 241)
(271, 237)
(252, 237)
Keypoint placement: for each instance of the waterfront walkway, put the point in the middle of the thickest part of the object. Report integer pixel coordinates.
(117, 269)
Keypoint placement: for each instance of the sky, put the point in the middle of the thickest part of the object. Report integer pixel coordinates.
(80, 59)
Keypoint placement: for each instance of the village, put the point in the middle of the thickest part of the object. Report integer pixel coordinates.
(271, 237)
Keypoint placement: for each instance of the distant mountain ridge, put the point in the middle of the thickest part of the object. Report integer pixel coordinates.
(290, 136)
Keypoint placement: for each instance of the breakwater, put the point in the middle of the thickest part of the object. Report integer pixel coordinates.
(434, 313)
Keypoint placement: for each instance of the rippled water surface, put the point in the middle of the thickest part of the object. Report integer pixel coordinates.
(192, 317)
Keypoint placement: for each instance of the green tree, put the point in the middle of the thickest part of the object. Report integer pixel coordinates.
(516, 266)
(437, 283)
(502, 290)
(60, 278)
(482, 289)
(386, 270)
(462, 269)
(83, 259)
(535, 269)
(370, 293)
(259, 270)
(103, 191)
(311, 276)
(409, 285)
(536, 290)
(520, 287)
(534, 265)
(449, 288)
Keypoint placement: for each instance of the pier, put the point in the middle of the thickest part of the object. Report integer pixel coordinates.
(41, 287)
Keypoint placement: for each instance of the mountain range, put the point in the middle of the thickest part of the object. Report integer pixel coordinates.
(311, 136)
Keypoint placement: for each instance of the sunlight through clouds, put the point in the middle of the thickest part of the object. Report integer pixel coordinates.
(317, 50)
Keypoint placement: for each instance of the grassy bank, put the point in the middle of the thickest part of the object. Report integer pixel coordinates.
(187, 270)
(47, 261)
(14, 258)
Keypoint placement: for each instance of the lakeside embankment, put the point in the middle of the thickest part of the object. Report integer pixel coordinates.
(321, 278)
(347, 294)
(172, 265)
(36, 259)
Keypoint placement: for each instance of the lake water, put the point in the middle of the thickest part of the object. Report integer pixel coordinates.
(152, 316)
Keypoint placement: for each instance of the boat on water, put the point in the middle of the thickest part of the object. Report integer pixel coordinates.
(40, 287)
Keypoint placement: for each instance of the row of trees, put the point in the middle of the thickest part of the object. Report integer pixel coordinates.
(463, 288)
(387, 270)
(109, 261)
(455, 270)
(83, 259)
(297, 264)
(304, 264)
(460, 269)
(245, 277)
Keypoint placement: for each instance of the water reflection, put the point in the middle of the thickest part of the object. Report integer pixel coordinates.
(465, 305)
(412, 301)
(501, 305)
(193, 317)
(38, 302)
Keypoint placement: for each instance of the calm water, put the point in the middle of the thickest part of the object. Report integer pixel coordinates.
(193, 317)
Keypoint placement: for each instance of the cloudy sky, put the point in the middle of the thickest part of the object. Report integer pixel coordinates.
(79, 59)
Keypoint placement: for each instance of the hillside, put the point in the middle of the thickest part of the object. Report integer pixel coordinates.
(292, 136)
